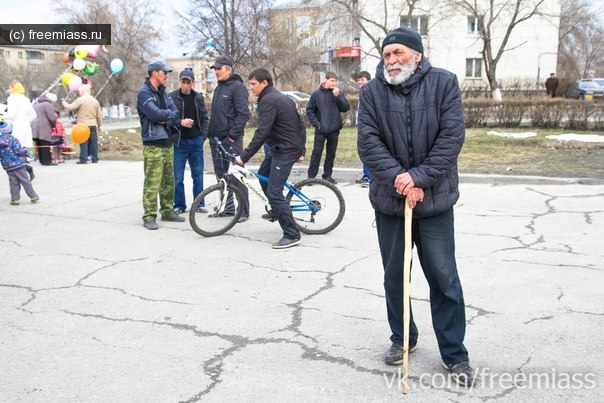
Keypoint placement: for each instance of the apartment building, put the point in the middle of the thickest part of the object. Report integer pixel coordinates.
(452, 37)
(35, 66)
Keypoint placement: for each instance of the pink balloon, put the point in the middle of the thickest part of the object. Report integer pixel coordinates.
(93, 50)
(75, 83)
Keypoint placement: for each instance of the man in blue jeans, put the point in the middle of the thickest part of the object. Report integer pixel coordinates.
(193, 133)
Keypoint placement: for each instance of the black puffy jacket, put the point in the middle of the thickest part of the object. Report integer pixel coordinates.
(416, 127)
(230, 109)
(323, 110)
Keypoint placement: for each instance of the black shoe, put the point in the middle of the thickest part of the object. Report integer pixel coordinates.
(461, 372)
(394, 355)
(330, 180)
(151, 224)
(81, 162)
(30, 171)
(201, 209)
(269, 217)
(172, 216)
(223, 214)
(179, 210)
(286, 243)
(243, 218)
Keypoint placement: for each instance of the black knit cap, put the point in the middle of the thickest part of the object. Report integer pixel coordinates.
(406, 36)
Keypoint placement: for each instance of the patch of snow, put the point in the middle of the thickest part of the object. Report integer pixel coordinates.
(588, 138)
(523, 135)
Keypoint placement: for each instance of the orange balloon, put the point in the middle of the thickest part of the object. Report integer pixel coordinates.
(80, 133)
(66, 58)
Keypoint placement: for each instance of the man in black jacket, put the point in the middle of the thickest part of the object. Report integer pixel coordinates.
(193, 133)
(279, 126)
(323, 111)
(411, 130)
(230, 112)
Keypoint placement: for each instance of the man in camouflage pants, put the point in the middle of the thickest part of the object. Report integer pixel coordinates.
(159, 130)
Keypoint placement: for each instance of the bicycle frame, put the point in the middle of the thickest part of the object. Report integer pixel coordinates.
(242, 174)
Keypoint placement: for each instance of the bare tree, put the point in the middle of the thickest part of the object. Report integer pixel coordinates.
(135, 33)
(373, 28)
(237, 27)
(492, 14)
(581, 38)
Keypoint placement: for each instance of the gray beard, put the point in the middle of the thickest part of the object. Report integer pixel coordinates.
(407, 70)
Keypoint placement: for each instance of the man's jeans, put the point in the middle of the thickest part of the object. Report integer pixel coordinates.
(90, 147)
(191, 150)
(434, 239)
(278, 170)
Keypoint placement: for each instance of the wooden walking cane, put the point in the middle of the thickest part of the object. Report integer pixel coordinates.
(408, 251)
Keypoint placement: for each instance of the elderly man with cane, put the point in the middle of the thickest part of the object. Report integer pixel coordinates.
(411, 130)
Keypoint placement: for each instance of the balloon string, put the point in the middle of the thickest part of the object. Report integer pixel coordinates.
(99, 91)
(54, 84)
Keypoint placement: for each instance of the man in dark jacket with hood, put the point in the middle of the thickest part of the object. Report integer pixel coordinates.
(323, 111)
(279, 126)
(411, 130)
(230, 112)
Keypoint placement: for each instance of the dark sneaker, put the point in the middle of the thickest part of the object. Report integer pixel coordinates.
(365, 182)
(179, 210)
(151, 224)
(223, 214)
(359, 181)
(243, 218)
(461, 372)
(394, 355)
(269, 216)
(35, 199)
(30, 171)
(201, 209)
(330, 180)
(286, 243)
(172, 216)
(14, 202)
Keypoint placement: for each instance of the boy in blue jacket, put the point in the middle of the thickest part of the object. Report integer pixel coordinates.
(13, 157)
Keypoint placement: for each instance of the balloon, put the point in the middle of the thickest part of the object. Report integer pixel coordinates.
(116, 65)
(75, 83)
(65, 78)
(93, 50)
(91, 68)
(79, 64)
(66, 58)
(71, 53)
(80, 52)
(80, 133)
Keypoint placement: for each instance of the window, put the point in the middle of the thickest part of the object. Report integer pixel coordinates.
(474, 68)
(417, 22)
(474, 25)
(20, 55)
(7, 54)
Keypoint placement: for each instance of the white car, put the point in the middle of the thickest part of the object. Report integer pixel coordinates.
(297, 96)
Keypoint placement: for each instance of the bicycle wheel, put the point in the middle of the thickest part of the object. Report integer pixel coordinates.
(222, 210)
(318, 208)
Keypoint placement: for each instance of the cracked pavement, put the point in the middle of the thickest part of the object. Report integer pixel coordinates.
(95, 308)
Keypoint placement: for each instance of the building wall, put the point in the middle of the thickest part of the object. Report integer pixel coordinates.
(533, 44)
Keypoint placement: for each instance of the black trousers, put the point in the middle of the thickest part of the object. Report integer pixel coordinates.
(330, 154)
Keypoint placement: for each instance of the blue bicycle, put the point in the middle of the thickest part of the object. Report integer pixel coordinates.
(317, 205)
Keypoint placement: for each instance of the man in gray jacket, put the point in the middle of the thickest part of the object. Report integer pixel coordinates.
(411, 130)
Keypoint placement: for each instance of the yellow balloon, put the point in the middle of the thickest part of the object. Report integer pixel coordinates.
(65, 78)
(80, 52)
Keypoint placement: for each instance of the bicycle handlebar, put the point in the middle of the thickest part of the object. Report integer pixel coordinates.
(224, 152)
